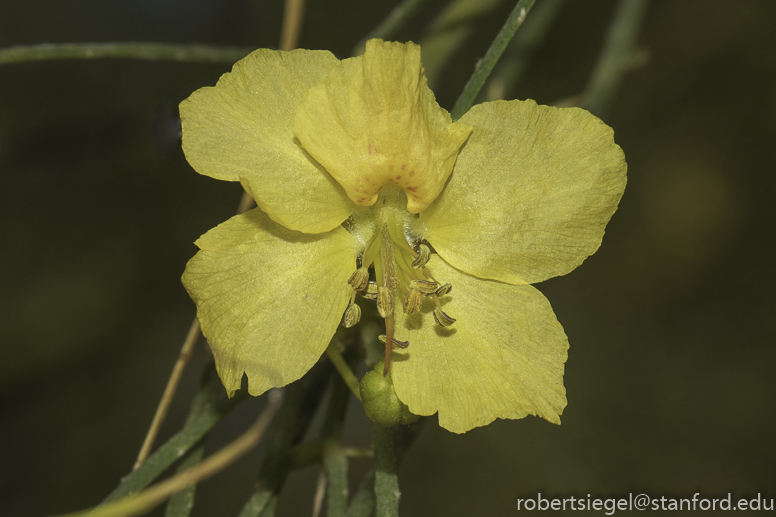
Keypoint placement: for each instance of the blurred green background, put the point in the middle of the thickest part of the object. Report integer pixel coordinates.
(672, 324)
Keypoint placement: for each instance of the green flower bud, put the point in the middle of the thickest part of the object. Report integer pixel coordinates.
(381, 404)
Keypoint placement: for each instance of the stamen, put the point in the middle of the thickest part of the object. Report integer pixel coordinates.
(388, 339)
(371, 251)
(442, 318)
(424, 253)
(396, 345)
(428, 274)
(384, 302)
(425, 286)
(370, 293)
(352, 315)
(403, 287)
(445, 289)
(359, 279)
(413, 301)
(403, 263)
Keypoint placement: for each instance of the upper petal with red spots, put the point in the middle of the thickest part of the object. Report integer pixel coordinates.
(374, 121)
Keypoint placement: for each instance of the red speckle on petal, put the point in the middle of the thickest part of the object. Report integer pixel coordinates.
(398, 177)
(403, 166)
(412, 173)
(412, 189)
(390, 167)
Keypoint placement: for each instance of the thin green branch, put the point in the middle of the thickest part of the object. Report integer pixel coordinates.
(448, 31)
(616, 57)
(335, 356)
(209, 406)
(392, 24)
(363, 502)
(128, 50)
(181, 504)
(335, 463)
(481, 73)
(386, 475)
(358, 452)
(301, 400)
(518, 54)
(146, 500)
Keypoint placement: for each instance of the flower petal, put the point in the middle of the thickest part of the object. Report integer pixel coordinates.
(531, 193)
(502, 358)
(268, 299)
(374, 121)
(240, 130)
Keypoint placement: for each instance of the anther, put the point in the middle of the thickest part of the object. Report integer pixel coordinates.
(352, 315)
(424, 253)
(424, 286)
(359, 279)
(370, 293)
(442, 319)
(413, 301)
(395, 343)
(445, 289)
(384, 301)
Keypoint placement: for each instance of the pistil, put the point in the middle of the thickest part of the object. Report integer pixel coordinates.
(400, 270)
(389, 287)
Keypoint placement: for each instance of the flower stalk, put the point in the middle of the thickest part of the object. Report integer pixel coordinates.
(485, 67)
(209, 406)
(213, 54)
(335, 356)
(616, 57)
(386, 477)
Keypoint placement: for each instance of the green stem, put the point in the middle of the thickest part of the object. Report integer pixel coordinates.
(335, 463)
(343, 369)
(481, 73)
(148, 51)
(363, 503)
(616, 56)
(518, 54)
(209, 406)
(386, 476)
(392, 24)
(181, 504)
(300, 401)
(448, 31)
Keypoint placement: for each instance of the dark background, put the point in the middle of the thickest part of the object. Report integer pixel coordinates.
(672, 323)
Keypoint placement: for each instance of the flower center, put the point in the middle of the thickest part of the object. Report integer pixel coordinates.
(398, 257)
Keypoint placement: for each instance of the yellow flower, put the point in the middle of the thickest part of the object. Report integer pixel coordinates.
(353, 164)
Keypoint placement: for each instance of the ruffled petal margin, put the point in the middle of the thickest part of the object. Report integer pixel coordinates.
(374, 121)
(269, 299)
(240, 130)
(503, 358)
(530, 194)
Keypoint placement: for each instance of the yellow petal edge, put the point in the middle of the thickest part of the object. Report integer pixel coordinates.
(240, 130)
(531, 192)
(374, 120)
(269, 299)
(503, 358)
